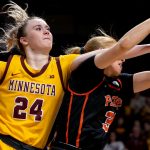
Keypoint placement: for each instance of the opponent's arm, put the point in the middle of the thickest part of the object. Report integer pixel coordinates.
(141, 81)
(126, 43)
(106, 57)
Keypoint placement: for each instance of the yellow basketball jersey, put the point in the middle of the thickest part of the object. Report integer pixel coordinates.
(30, 100)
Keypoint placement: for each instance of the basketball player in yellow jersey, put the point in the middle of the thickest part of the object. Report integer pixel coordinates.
(30, 99)
(31, 88)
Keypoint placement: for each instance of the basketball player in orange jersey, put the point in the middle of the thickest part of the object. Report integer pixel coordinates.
(96, 92)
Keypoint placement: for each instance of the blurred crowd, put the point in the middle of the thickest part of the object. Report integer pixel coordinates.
(131, 129)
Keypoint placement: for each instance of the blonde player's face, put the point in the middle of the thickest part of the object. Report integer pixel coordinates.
(116, 67)
(38, 36)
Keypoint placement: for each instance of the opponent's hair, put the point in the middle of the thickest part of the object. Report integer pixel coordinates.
(95, 42)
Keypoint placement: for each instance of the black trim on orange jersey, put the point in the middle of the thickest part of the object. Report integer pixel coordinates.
(29, 72)
(60, 71)
(6, 69)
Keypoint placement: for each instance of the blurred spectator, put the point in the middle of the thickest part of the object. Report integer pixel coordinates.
(146, 126)
(136, 140)
(113, 143)
(120, 129)
(137, 102)
(145, 110)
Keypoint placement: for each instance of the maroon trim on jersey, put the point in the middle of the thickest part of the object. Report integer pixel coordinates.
(6, 69)
(60, 72)
(82, 112)
(34, 74)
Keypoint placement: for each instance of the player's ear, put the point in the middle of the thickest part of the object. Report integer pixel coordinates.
(23, 41)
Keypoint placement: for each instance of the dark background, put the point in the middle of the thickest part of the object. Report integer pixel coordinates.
(73, 22)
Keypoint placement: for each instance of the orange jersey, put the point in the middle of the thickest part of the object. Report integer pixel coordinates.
(30, 99)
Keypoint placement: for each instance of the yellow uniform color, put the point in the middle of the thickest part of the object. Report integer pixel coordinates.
(30, 99)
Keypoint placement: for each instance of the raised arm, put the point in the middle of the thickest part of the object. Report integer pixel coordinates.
(127, 42)
(125, 48)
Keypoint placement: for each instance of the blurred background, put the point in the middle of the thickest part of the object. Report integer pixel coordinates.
(73, 22)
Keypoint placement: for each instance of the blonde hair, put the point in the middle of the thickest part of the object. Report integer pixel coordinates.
(17, 29)
(102, 41)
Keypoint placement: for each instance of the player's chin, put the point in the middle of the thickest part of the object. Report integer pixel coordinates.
(48, 48)
(117, 73)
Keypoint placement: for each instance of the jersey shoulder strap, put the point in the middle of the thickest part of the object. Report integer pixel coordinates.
(60, 71)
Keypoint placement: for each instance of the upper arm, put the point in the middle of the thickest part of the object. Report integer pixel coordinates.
(141, 81)
(84, 57)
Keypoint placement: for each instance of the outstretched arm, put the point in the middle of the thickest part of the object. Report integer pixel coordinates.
(126, 43)
(123, 49)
